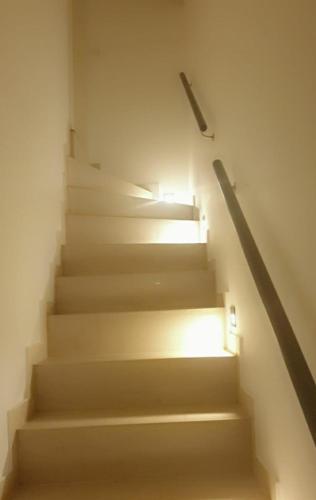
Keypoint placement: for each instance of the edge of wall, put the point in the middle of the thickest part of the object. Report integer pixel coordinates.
(266, 480)
(16, 418)
(19, 414)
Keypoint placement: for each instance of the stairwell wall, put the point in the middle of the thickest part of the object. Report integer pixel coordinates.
(34, 103)
(253, 68)
(129, 111)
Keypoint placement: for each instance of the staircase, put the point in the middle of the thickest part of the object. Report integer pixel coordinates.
(137, 399)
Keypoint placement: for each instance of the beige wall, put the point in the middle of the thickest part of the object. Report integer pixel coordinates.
(253, 66)
(129, 110)
(34, 39)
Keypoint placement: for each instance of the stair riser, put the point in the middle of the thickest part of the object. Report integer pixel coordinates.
(105, 452)
(104, 259)
(83, 230)
(96, 202)
(140, 386)
(135, 292)
(188, 486)
(168, 333)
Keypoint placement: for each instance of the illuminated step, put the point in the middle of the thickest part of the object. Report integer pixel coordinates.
(175, 333)
(135, 385)
(114, 448)
(104, 259)
(130, 292)
(83, 175)
(89, 229)
(100, 202)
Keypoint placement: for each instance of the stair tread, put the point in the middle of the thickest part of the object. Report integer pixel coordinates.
(129, 276)
(145, 312)
(82, 213)
(132, 357)
(101, 189)
(180, 246)
(144, 193)
(225, 487)
(149, 219)
(51, 420)
(88, 248)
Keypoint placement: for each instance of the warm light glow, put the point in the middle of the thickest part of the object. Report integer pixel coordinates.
(204, 337)
(181, 231)
(169, 197)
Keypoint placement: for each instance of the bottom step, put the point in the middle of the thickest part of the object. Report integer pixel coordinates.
(189, 488)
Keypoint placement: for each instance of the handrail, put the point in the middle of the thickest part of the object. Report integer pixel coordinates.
(293, 356)
(195, 107)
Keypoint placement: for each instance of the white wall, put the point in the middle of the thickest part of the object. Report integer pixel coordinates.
(130, 112)
(34, 61)
(253, 66)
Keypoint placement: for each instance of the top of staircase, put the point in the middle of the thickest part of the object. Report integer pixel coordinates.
(84, 175)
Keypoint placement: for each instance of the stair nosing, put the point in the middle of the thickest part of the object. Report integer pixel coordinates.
(191, 244)
(77, 421)
(140, 217)
(126, 359)
(144, 311)
(149, 219)
(155, 273)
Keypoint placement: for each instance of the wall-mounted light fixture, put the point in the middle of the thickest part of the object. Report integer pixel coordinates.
(203, 228)
(232, 319)
(233, 339)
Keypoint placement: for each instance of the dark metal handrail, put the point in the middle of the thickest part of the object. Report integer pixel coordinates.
(293, 356)
(195, 107)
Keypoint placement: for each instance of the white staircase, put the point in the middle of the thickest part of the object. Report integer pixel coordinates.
(138, 398)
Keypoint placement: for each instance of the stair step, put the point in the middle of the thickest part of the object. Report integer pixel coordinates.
(98, 418)
(84, 175)
(175, 333)
(193, 486)
(130, 292)
(100, 202)
(124, 258)
(136, 385)
(98, 230)
(135, 446)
